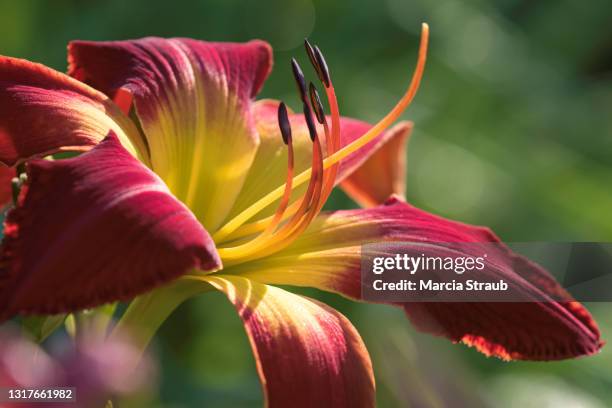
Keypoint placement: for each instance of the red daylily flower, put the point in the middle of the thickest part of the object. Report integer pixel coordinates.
(184, 176)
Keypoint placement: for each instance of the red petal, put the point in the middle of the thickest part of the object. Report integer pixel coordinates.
(307, 354)
(93, 229)
(377, 171)
(6, 189)
(43, 111)
(193, 99)
(328, 257)
(152, 66)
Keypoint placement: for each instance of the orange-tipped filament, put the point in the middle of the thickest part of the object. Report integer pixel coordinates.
(288, 139)
(289, 221)
(276, 234)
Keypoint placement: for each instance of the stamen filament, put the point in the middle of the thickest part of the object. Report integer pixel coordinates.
(293, 230)
(256, 246)
(260, 225)
(335, 157)
(333, 142)
(298, 75)
(309, 200)
(282, 207)
(285, 129)
(314, 188)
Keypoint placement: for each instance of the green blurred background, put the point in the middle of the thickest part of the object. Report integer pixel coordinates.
(513, 130)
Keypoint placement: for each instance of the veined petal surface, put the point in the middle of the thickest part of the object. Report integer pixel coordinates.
(43, 111)
(307, 354)
(328, 256)
(193, 100)
(93, 229)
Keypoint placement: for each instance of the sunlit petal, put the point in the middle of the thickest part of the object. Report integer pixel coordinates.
(307, 354)
(94, 229)
(193, 100)
(43, 111)
(328, 257)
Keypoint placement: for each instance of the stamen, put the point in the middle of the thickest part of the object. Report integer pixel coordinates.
(333, 139)
(299, 79)
(332, 144)
(317, 158)
(285, 128)
(310, 52)
(326, 187)
(322, 64)
(313, 59)
(334, 158)
(315, 101)
(312, 192)
(283, 122)
(312, 129)
(303, 218)
(285, 235)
